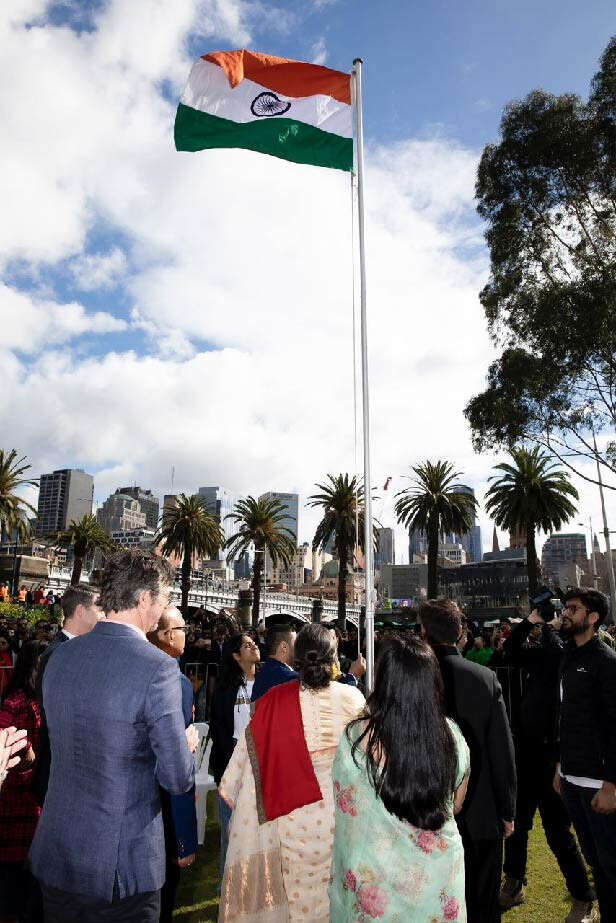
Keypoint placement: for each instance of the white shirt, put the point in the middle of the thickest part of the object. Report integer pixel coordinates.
(68, 634)
(241, 710)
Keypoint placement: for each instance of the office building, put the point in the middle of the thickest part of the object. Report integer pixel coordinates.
(563, 548)
(452, 551)
(120, 513)
(294, 574)
(142, 539)
(150, 505)
(65, 496)
(404, 581)
(418, 543)
(220, 502)
(490, 589)
(290, 503)
(386, 553)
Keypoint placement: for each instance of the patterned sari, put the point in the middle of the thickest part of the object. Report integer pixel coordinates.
(385, 869)
(278, 871)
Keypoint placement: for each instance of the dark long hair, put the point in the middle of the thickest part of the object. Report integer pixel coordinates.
(25, 669)
(231, 674)
(410, 751)
(315, 653)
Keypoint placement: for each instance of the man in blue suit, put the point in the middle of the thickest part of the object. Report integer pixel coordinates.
(114, 712)
(179, 811)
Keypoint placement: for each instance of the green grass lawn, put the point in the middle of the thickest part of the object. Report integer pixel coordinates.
(547, 900)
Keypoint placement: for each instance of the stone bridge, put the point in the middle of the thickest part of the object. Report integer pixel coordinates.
(272, 604)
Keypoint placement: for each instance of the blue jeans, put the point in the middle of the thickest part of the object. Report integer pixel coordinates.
(597, 837)
(224, 813)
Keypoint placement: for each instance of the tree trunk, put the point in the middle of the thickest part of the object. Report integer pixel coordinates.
(257, 570)
(77, 568)
(432, 531)
(343, 562)
(186, 569)
(532, 564)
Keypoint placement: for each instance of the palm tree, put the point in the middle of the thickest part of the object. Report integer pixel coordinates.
(532, 493)
(259, 524)
(84, 537)
(13, 509)
(342, 502)
(438, 504)
(189, 529)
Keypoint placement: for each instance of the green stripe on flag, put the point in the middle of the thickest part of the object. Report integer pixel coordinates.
(280, 137)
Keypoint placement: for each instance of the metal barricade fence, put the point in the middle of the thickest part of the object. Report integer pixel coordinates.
(202, 677)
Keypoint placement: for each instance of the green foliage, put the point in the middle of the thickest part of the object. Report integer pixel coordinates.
(259, 524)
(547, 191)
(529, 494)
(342, 502)
(437, 504)
(188, 529)
(32, 614)
(84, 537)
(13, 508)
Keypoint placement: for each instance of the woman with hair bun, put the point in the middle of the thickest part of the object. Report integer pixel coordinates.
(279, 786)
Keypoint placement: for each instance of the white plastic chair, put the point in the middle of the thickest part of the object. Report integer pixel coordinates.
(204, 782)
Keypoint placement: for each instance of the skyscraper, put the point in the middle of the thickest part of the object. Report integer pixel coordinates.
(290, 502)
(386, 550)
(150, 505)
(221, 502)
(418, 543)
(65, 496)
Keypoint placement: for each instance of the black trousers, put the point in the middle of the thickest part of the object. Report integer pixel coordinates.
(64, 907)
(167, 895)
(597, 836)
(535, 769)
(483, 863)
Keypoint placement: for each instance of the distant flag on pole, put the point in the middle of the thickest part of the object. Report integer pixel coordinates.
(289, 109)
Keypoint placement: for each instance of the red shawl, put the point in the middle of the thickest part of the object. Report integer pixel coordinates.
(284, 775)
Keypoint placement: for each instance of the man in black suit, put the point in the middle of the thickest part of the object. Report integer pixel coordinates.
(81, 614)
(474, 700)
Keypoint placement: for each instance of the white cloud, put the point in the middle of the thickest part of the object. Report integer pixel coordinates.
(98, 271)
(247, 254)
(319, 51)
(29, 325)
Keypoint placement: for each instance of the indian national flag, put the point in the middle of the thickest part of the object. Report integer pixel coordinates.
(300, 112)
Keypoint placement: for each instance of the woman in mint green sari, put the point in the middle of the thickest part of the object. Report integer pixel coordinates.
(399, 776)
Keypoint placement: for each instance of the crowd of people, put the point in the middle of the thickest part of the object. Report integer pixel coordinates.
(413, 804)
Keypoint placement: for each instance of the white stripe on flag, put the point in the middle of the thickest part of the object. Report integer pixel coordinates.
(208, 90)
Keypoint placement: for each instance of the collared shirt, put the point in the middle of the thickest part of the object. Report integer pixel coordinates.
(68, 634)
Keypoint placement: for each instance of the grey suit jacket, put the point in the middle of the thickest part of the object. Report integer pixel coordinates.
(114, 714)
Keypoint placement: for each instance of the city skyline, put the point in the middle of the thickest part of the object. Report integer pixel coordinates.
(230, 497)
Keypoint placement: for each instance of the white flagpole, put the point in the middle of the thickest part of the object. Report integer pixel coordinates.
(368, 549)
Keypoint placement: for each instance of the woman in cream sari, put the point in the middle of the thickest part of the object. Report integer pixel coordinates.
(279, 786)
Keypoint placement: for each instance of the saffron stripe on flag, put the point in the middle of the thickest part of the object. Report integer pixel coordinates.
(279, 137)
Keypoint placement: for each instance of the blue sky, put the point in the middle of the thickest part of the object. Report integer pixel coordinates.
(137, 335)
(437, 69)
